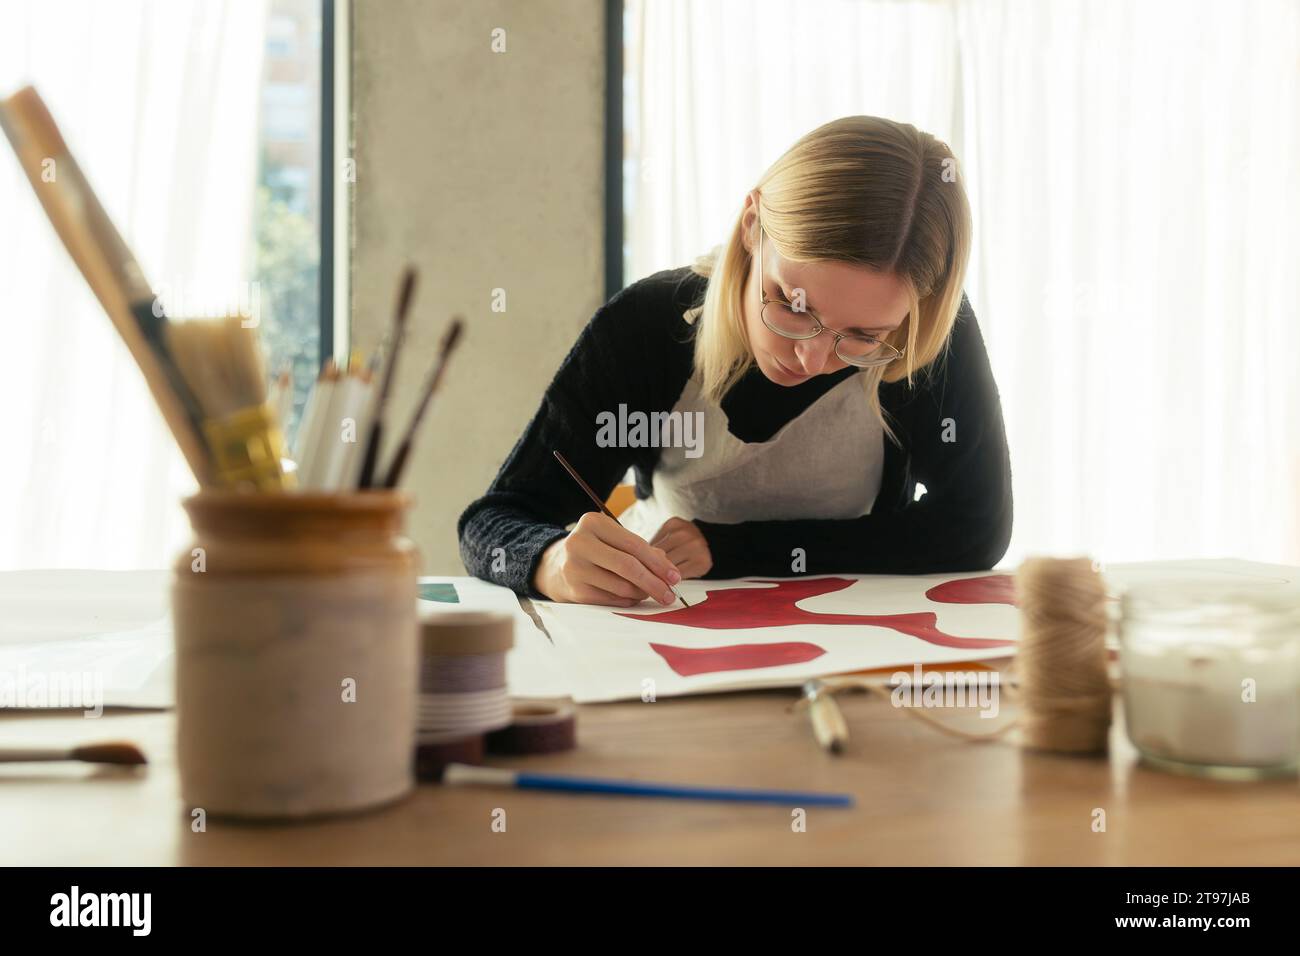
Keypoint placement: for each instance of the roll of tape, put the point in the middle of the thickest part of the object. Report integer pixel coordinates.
(431, 758)
(450, 633)
(463, 674)
(460, 673)
(536, 727)
(466, 713)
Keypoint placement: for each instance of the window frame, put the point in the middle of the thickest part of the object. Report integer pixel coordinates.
(615, 226)
(335, 188)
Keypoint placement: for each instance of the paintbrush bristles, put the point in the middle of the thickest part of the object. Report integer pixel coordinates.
(222, 362)
(116, 753)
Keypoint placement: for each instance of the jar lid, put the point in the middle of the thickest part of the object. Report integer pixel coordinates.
(466, 632)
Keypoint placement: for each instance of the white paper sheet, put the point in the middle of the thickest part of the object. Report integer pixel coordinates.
(131, 668)
(85, 638)
(66, 633)
(533, 667)
(617, 656)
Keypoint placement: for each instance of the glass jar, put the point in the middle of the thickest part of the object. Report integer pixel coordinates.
(1211, 676)
(296, 653)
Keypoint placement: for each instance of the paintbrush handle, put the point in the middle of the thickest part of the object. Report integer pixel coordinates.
(431, 386)
(399, 464)
(371, 459)
(600, 504)
(459, 774)
(828, 723)
(370, 464)
(33, 754)
(624, 788)
(105, 261)
(39, 137)
(595, 498)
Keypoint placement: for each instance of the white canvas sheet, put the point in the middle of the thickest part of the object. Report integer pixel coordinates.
(760, 632)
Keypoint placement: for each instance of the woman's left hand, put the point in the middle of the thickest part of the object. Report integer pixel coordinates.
(685, 546)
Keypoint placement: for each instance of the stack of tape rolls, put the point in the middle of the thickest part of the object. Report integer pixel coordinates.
(462, 686)
(465, 710)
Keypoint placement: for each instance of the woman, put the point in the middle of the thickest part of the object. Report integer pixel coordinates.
(804, 378)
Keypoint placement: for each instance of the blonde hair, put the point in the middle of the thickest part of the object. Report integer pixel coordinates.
(863, 190)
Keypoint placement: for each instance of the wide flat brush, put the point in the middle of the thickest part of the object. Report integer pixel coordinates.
(221, 361)
(107, 264)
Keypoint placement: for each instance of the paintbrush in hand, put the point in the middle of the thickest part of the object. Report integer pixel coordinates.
(600, 504)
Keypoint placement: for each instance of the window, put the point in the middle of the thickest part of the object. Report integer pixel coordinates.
(1136, 226)
(287, 222)
(199, 125)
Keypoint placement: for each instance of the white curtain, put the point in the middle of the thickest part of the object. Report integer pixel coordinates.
(723, 88)
(158, 101)
(1132, 170)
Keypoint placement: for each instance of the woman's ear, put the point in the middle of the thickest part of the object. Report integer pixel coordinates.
(749, 222)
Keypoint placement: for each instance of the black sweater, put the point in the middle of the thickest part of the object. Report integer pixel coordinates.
(637, 350)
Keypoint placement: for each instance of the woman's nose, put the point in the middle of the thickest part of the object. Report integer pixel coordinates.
(814, 353)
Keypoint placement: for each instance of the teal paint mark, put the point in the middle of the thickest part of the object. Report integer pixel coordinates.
(446, 593)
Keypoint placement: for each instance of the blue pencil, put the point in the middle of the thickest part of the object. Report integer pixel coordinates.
(459, 774)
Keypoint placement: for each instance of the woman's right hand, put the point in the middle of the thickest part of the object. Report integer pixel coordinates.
(601, 562)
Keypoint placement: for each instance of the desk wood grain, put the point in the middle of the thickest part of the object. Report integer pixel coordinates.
(923, 798)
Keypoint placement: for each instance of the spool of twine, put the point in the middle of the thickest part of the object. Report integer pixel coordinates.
(1061, 659)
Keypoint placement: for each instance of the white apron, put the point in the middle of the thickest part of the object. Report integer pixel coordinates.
(825, 463)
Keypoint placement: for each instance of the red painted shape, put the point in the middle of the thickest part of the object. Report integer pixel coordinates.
(990, 589)
(731, 608)
(687, 661)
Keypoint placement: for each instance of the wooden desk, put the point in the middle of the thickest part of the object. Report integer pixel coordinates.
(923, 798)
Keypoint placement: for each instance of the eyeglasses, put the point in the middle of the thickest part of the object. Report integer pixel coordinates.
(783, 318)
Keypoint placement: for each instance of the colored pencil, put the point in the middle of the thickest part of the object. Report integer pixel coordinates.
(311, 427)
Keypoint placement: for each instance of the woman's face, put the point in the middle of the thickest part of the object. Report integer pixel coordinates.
(845, 297)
